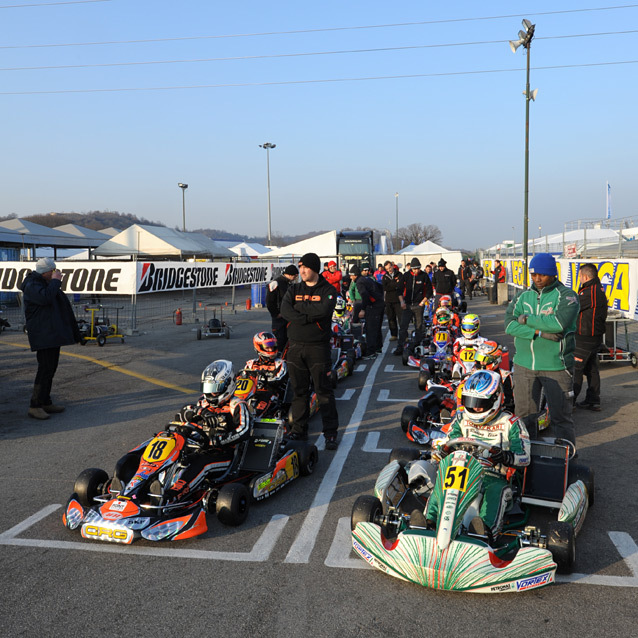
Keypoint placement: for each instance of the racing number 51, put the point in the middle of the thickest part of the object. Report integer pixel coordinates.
(456, 478)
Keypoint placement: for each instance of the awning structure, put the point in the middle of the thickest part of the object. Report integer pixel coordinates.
(324, 245)
(37, 235)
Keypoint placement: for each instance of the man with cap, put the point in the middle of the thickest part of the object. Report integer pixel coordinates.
(371, 308)
(333, 276)
(308, 307)
(443, 280)
(542, 320)
(417, 290)
(50, 323)
(276, 290)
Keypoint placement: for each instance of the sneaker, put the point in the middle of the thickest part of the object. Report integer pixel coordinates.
(53, 409)
(393, 338)
(331, 442)
(38, 413)
(370, 356)
(586, 405)
(380, 351)
(297, 436)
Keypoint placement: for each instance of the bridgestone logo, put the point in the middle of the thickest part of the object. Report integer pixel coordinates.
(236, 275)
(73, 280)
(157, 278)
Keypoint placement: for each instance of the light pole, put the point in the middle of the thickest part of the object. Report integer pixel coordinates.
(268, 146)
(396, 236)
(183, 187)
(525, 40)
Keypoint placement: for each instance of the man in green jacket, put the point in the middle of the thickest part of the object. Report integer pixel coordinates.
(542, 321)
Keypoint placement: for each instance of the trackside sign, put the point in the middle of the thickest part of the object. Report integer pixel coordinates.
(127, 278)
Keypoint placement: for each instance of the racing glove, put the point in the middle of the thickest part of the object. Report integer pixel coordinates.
(441, 453)
(500, 456)
(551, 336)
(522, 319)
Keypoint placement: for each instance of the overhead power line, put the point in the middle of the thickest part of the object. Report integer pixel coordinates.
(320, 81)
(48, 4)
(319, 30)
(295, 55)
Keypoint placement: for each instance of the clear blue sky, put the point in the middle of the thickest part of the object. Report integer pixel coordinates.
(451, 145)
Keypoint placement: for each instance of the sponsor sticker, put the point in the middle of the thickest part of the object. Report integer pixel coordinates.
(531, 583)
(364, 553)
(505, 587)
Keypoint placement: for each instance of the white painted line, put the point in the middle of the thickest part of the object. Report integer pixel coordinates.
(361, 368)
(260, 552)
(384, 395)
(320, 443)
(390, 368)
(339, 554)
(372, 440)
(304, 543)
(347, 395)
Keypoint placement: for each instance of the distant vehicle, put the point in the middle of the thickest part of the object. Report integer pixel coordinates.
(355, 247)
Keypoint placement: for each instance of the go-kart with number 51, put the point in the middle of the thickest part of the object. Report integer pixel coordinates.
(215, 460)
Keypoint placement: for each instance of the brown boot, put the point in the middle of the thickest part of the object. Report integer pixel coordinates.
(53, 409)
(38, 413)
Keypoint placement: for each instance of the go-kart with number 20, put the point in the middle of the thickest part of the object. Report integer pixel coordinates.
(147, 498)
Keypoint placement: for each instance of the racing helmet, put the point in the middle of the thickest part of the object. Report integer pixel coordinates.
(482, 396)
(422, 477)
(489, 356)
(470, 326)
(445, 301)
(340, 307)
(265, 344)
(443, 317)
(218, 381)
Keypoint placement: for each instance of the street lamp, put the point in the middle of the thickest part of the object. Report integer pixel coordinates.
(183, 187)
(525, 40)
(396, 197)
(268, 146)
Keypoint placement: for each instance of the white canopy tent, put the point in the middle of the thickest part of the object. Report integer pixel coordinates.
(245, 249)
(324, 245)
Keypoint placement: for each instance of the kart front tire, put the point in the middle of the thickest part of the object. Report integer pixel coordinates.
(410, 413)
(561, 542)
(233, 502)
(89, 484)
(424, 377)
(366, 509)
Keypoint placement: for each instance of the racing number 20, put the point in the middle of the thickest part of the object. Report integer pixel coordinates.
(456, 478)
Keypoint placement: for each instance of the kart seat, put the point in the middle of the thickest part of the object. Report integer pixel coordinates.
(545, 478)
(214, 324)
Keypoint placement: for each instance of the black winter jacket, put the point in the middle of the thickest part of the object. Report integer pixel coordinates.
(416, 287)
(275, 297)
(370, 290)
(593, 311)
(444, 281)
(50, 319)
(308, 310)
(392, 286)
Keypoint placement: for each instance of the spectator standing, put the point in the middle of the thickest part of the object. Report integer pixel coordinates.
(333, 276)
(428, 271)
(392, 283)
(50, 324)
(379, 272)
(443, 280)
(371, 308)
(542, 320)
(417, 290)
(308, 307)
(465, 279)
(590, 328)
(276, 290)
(500, 277)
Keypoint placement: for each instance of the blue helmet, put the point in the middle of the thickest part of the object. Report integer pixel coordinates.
(482, 396)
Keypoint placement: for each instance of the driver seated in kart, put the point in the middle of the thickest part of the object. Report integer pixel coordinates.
(341, 317)
(268, 361)
(444, 318)
(489, 356)
(446, 302)
(223, 419)
(470, 337)
(484, 418)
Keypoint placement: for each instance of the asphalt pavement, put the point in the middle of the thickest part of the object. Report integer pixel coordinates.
(289, 569)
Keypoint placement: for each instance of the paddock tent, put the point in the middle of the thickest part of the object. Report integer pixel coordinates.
(159, 241)
(324, 245)
(245, 249)
(38, 235)
(81, 231)
(426, 248)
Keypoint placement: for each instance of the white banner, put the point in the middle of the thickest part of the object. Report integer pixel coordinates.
(127, 278)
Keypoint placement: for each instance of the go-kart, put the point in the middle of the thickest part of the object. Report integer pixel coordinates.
(214, 327)
(146, 497)
(345, 350)
(431, 352)
(430, 419)
(390, 532)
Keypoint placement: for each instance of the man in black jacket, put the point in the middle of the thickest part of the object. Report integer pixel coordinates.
(417, 289)
(50, 324)
(308, 308)
(372, 306)
(443, 281)
(590, 328)
(465, 277)
(276, 290)
(392, 283)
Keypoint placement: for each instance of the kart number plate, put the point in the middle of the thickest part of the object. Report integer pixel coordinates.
(456, 478)
(441, 337)
(244, 387)
(159, 449)
(467, 354)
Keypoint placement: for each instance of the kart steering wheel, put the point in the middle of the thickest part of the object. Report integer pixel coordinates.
(193, 429)
(456, 443)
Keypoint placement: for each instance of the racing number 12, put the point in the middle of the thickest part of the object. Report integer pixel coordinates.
(456, 478)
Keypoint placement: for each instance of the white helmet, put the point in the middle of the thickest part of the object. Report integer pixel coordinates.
(482, 396)
(422, 477)
(218, 381)
(340, 306)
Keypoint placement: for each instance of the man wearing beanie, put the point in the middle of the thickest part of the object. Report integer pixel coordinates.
(542, 320)
(308, 307)
(371, 307)
(50, 324)
(444, 281)
(276, 290)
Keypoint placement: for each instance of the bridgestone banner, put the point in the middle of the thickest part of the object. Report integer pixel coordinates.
(127, 278)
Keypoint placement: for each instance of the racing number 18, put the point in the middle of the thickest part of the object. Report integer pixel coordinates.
(456, 478)
(156, 449)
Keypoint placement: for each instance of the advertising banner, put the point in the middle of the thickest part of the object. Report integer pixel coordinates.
(130, 277)
(619, 278)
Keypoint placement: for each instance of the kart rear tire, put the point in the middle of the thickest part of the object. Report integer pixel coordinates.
(405, 356)
(366, 509)
(584, 474)
(424, 377)
(89, 484)
(199, 334)
(232, 504)
(409, 413)
(404, 455)
(308, 456)
(561, 542)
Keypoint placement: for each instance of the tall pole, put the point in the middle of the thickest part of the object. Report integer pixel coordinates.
(183, 187)
(268, 146)
(526, 205)
(396, 235)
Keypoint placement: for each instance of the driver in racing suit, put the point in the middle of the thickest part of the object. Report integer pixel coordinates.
(470, 337)
(484, 418)
(273, 366)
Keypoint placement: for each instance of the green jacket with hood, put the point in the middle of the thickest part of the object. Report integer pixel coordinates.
(552, 310)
